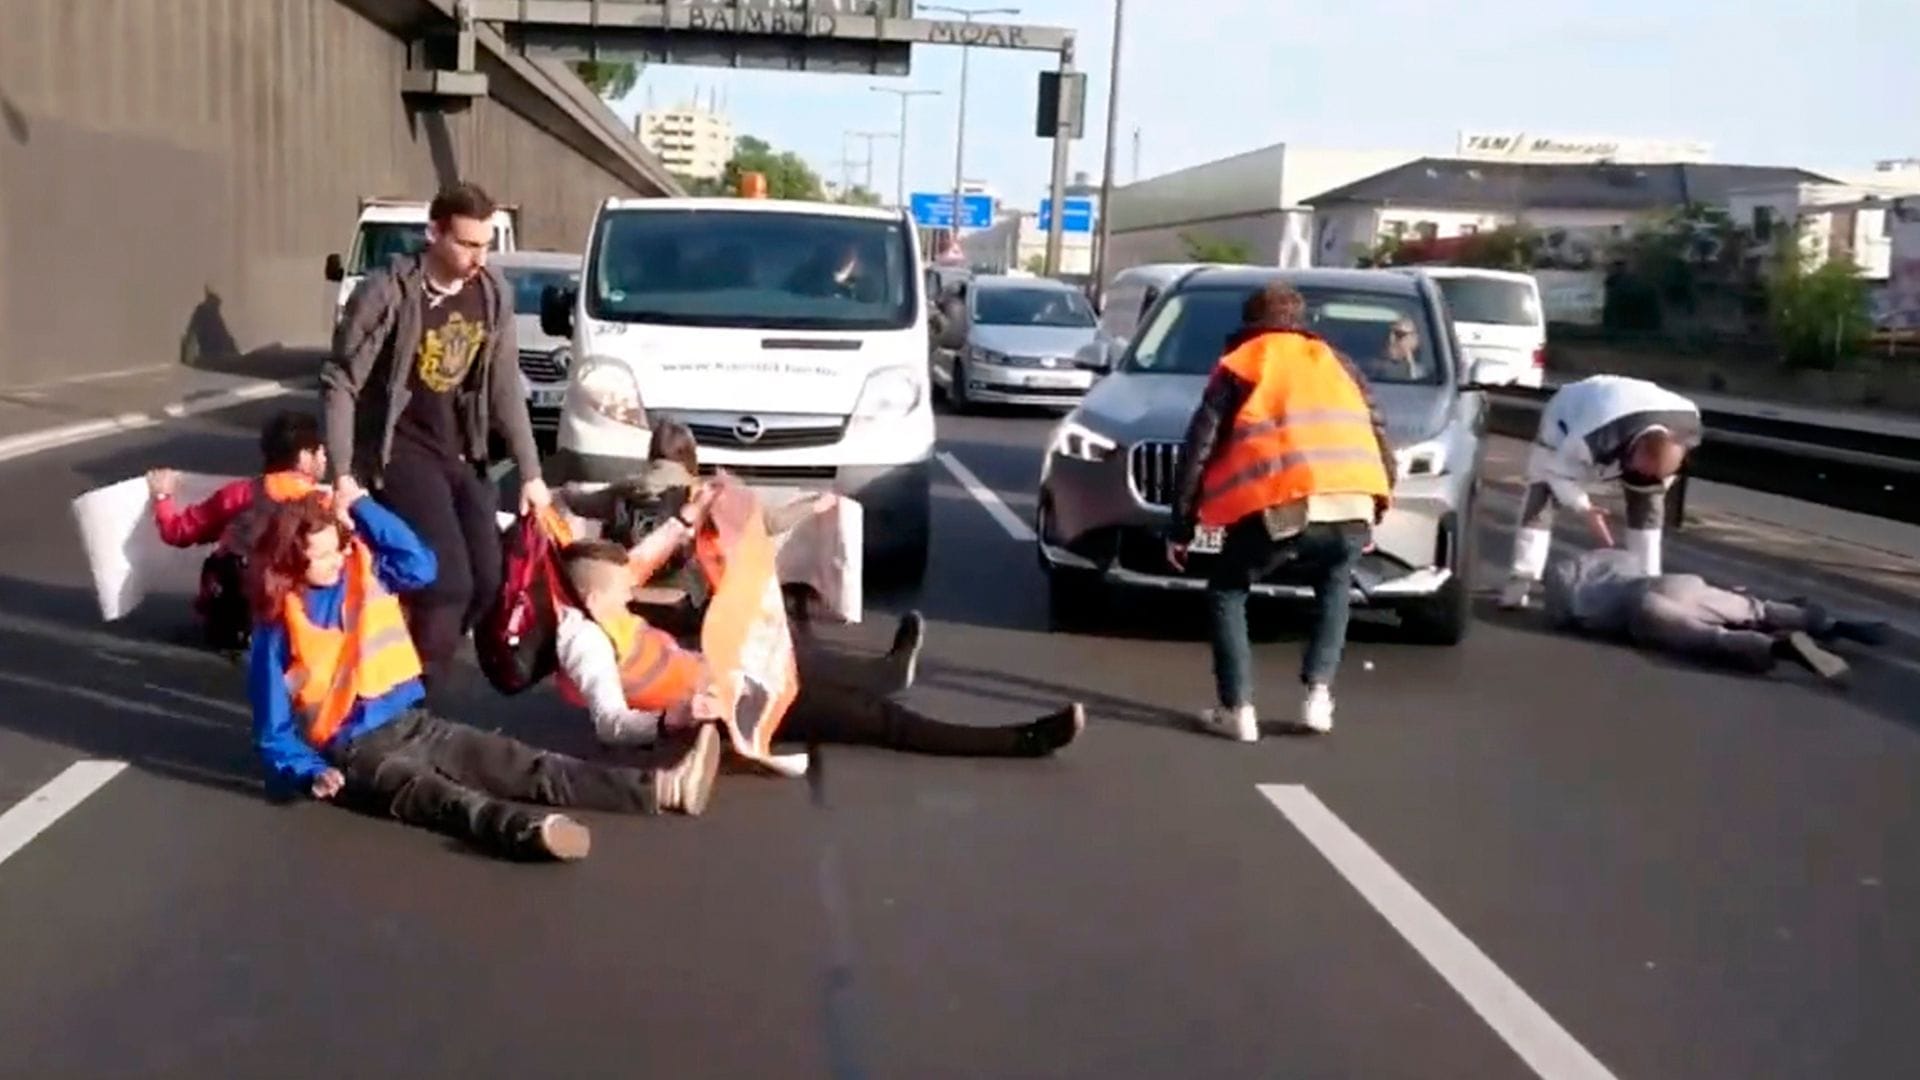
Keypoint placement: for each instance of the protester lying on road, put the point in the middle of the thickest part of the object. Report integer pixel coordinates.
(636, 680)
(293, 459)
(337, 698)
(1604, 593)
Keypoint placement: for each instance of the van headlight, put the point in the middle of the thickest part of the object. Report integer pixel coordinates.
(607, 387)
(889, 393)
(1422, 459)
(1075, 440)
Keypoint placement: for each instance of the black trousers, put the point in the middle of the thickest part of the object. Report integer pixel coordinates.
(841, 701)
(457, 780)
(451, 507)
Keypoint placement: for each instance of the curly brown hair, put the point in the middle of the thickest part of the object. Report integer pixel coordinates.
(277, 565)
(1278, 305)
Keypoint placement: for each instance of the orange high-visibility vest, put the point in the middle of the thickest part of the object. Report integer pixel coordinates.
(269, 491)
(655, 672)
(333, 669)
(1305, 430)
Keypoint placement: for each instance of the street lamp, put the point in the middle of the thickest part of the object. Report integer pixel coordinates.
(1105, 233)
(870, 136)
(960, 132)
(900, 166)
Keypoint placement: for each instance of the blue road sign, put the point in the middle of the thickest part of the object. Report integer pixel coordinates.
(934, 210)
(1078, 219)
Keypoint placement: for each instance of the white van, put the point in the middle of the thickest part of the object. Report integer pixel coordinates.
(389, 227)
(791, 337)
(1499, 320)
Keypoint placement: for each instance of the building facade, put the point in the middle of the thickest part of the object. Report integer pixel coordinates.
(692, 141)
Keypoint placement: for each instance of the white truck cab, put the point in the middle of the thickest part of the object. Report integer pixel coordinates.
(791, 337)
(389, 227)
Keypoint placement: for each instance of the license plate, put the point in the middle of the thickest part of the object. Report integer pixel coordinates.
(546, 397)
(1207, 540)
(1052, 382)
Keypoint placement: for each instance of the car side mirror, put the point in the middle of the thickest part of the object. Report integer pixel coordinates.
(556, 310)
(953, 334)
(1096, 356)
(1480, 376)
(336, 270)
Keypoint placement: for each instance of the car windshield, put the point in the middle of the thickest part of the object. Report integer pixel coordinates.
(382, 240)
(742, 268)
(1031, 307)
(530, 283)
(1491, 301)
(1386, 335)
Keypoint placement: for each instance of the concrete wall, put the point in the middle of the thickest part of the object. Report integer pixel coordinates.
(173, 172)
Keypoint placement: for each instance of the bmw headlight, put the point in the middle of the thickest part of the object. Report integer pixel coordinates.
(889, 392)
(607, 387)
(1422, 459)
(1075, 440)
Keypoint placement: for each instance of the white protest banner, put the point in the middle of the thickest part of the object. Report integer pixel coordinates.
(127, 558)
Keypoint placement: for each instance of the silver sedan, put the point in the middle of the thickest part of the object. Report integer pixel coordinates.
(1012, 341)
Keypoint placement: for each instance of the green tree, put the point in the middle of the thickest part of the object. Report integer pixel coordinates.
(610, 80)
(859, 196)
(1212, 249)
(788, 177)
(1036, 264)
(1819, 317)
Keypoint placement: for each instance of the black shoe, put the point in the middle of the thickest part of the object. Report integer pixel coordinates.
(1801, 649)
(1054, 731)
(903, 660)
(1863, 631)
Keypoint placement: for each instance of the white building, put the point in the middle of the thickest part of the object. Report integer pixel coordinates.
(1851, 219)
(1578, 149)
(1256, 200)
(690, 140)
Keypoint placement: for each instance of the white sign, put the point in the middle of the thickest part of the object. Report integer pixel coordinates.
(1573, 296)
(1526, 146)
(127, 558)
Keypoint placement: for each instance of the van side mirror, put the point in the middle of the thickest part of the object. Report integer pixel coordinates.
(556, 310)
(952, 335)
(336, 270)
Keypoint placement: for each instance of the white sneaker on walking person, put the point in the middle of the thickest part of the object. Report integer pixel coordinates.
(1316, 712)
(1239, 724)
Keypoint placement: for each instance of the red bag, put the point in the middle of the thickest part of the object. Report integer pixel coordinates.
(515, 641)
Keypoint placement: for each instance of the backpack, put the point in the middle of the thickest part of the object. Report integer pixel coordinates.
(515, 641)
(225, 616)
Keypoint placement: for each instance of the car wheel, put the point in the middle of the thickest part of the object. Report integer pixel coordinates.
(1445, 618)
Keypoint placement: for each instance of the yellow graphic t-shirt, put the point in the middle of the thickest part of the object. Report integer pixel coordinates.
(452, 334)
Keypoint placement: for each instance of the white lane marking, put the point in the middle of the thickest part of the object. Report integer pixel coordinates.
(984, 495)
(1541, 1042)
(31, 816)
(34, 442)
(229, 707)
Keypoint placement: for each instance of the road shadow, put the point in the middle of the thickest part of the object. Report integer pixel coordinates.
(1036, 696)
(19, 129)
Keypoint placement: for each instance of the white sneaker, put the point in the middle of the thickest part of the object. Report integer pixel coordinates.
(1514, 596)
(1316, 713)
(1239, 724)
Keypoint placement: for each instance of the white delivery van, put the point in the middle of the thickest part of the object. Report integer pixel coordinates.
(791, 337)
(1498, 317)
(389, 227)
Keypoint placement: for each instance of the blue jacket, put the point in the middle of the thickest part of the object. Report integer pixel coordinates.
(403, 564)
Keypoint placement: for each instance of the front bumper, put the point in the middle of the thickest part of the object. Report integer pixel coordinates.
(999, 384)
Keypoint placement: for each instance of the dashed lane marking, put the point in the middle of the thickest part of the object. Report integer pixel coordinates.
(34, 814)
(984, 495)
(1525, 1027)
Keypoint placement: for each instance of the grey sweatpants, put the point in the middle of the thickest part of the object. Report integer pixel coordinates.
(1683, 614)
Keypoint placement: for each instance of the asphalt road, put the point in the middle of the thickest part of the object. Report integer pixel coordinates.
(1690, 874)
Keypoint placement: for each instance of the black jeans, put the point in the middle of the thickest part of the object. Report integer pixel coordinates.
(454, 779)
(841, 700)
(1327, 552)
(451, 507)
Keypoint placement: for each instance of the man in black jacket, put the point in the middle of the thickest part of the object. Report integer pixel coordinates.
(425, 364)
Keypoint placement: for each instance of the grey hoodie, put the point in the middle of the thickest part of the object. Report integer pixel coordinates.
(1596, 592)
(364, 382)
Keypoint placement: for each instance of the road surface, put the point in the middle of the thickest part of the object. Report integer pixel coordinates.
(1525, 856)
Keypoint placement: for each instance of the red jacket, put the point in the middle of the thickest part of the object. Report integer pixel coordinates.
(204, 522)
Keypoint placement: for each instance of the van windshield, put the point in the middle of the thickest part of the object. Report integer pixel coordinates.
(530, 284)
(1487, 300)
(744, 268)
(382, 240)
(1190, 330)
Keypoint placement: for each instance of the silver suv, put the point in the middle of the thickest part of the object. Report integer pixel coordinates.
(1111, 465)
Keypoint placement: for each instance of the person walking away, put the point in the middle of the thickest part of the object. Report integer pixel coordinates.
(1602, 428)
(334, 680)
(636, 680)
(293, 459)
(425, 364)
(1287, 454)
(1605, 594)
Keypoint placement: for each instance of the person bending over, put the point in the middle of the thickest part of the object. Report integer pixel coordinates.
(636, 680)
(337, 701)
(1605, 594)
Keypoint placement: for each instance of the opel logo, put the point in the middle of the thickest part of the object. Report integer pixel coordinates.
(748, 429)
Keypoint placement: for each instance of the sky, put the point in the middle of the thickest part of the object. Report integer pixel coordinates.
(1814, 83)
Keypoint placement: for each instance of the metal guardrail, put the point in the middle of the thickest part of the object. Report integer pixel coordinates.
(1867, 472)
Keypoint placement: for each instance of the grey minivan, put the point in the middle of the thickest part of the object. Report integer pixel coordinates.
(1111, 464)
